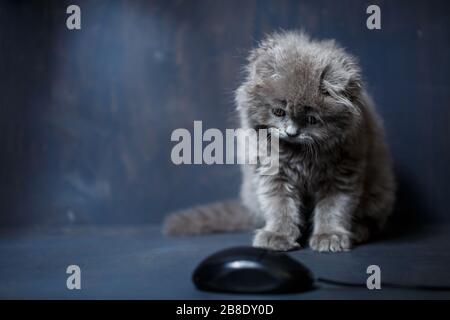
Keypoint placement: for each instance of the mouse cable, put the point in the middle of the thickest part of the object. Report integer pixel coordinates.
(383, 285)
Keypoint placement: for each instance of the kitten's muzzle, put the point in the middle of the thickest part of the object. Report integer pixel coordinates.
(292, 132)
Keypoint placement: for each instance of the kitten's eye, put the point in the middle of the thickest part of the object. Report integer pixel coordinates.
(279, 112)
(284, 103)
(311, 120)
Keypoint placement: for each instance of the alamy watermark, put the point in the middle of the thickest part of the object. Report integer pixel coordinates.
(73, 21)
(74, 280)
(374, 280)
(238, 146)
(373, 22)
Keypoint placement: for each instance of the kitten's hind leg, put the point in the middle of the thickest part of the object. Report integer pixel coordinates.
(227, 216)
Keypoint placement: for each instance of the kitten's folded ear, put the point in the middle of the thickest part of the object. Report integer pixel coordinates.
(343, 78)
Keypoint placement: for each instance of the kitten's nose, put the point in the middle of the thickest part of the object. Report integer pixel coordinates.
(292, 131)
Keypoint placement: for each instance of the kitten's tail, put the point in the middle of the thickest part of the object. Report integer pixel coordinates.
(228, 216)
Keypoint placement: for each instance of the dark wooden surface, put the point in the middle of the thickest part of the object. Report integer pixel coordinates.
(139, 263)
(86, 116)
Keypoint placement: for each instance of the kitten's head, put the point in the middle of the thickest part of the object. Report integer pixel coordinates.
(308, 90)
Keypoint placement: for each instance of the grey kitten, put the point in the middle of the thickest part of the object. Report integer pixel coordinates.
(335, 172)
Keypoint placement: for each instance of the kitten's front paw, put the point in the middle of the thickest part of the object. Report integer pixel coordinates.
(330, 242)
(274, 241)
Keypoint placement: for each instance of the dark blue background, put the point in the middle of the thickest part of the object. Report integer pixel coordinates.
(86, 116)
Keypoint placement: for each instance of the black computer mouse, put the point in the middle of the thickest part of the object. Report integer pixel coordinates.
(252, 270)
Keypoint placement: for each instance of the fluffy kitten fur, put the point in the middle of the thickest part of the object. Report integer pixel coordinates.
(335, 172)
